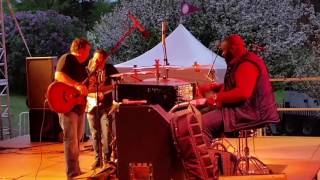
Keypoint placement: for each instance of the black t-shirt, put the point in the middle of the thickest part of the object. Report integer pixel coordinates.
(107, 100)
(109, 70)
(69, 65)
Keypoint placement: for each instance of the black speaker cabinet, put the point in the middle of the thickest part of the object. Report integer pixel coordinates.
(145, 146)
(40, 73)
(51, 130)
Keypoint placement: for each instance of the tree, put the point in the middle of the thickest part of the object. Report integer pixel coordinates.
(286, 28)
(113, 25)
(87, 11)
(47, 34)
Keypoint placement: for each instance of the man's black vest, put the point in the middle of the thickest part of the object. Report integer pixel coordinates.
(257, 110)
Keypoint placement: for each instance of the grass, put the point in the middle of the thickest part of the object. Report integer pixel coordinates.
(18, 105)
(279, 96)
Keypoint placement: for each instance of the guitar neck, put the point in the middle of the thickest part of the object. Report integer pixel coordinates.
(101, 89)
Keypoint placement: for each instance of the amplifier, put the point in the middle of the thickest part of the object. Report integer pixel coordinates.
(166, 93)
(144, 144)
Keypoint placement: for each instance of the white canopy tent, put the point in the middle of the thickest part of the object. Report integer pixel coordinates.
(183, 50)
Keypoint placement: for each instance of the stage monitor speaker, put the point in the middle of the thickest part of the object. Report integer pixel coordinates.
(51, 130)
(144, 143)
(40, 73)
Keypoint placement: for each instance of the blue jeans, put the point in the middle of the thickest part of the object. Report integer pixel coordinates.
(99, 124)
(72, 125)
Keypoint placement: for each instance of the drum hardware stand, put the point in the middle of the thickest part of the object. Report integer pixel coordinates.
(164, 47)
(135, 74)
(212, 73)
(249, 165)
(157, 66)
(225, 143)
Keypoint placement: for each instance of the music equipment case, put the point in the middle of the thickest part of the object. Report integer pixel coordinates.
(40, 73)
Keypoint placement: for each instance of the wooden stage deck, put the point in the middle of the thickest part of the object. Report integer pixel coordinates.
(297, 157)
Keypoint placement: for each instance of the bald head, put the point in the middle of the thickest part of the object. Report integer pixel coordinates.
(235, 40)
(233, 46)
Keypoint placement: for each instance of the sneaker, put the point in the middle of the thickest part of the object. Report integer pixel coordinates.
(95, 165)
(108, 164)
(77, 176)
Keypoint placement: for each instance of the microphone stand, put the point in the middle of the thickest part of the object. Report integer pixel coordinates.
(97, 119)
(95, 73)
(98, 125)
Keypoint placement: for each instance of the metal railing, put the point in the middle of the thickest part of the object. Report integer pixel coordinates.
(298, 111)
(23, 123)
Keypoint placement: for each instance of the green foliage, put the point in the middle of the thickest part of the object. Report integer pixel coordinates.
(287, 28)
(17, 105)
(47, 34)
(86, 11)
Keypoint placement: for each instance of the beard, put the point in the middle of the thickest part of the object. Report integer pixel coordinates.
(228, 56)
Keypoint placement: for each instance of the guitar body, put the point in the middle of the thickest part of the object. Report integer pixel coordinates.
(92, 101)
(62, 98)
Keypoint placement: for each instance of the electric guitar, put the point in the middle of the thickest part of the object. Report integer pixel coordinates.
(92, 101)
(62, 98)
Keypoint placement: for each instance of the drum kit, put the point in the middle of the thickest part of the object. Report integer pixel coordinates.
(136, 73)
(141, 76)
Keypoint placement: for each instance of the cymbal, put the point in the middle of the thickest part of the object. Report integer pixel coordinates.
(206, 66)
(132, 73)
(171, 67)
(140, 72)
(138, 68)
(152, 67)
(117, 75)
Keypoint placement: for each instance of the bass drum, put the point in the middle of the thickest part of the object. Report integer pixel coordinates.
(197, 160)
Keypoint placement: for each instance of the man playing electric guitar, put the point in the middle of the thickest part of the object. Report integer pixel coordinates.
(97, 116)
(71, 71)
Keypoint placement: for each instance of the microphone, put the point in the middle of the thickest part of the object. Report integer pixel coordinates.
(219, 52)
(91, 68)
(217, 49)
(90, 72)
(137, 24)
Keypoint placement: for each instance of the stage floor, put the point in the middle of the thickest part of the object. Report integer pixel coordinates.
(298, 157)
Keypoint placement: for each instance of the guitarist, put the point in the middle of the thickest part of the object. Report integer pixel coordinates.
(100, 73)
(71, 70)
